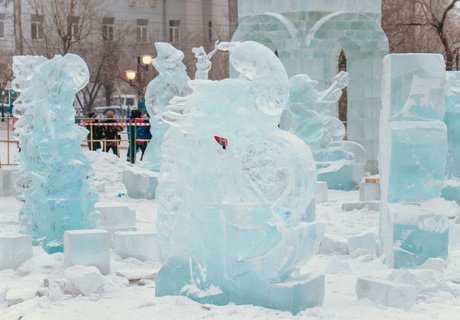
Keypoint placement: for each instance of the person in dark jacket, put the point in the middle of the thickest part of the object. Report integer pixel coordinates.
(96, 133)
(111, 134)
(143, 134)
(135, 118)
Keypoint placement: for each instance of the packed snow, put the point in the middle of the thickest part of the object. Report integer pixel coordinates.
(42, 289)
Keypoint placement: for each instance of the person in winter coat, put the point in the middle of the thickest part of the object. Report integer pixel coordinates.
(96, 133)
(111, 134)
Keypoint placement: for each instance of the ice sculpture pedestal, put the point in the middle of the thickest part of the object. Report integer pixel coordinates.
(7, 181)
(140, 183)
(294, 295)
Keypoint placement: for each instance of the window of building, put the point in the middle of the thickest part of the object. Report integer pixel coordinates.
(74, 28)
(36, 27)
(108, 26)
(174, 30)
(210, 30)
(142, 30)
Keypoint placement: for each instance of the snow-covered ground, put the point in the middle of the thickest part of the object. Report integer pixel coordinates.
(122, 299)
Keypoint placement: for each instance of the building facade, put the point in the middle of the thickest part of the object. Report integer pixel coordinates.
(128, 28)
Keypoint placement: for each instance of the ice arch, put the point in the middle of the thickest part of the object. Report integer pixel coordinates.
(365, 44)
(275, 32)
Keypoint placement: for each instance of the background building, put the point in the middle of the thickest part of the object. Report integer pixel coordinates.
(110, 35)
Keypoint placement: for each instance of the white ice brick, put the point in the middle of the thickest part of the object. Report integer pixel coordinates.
(321, 192)
(14, 250)
(387, 293)
(113, 230)
(140, 183)
(140, 245)
(7, 181)
(116, 215)
(366, 242)
(369, 191)
(87, 248)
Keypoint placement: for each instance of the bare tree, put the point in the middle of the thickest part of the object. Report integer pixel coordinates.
(423, 26)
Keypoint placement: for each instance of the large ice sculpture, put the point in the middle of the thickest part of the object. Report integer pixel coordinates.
(54, 183)
(234, 189)
(413, 151)
(172, 81)
(310, 116)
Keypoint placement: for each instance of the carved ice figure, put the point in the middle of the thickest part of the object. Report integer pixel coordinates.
(55, 177)
(172, 81)
(309, 116)
(413, 153)
(233, 191)
(203, 61)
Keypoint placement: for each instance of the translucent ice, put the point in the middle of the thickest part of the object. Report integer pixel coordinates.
(55, 177)
(234, 190)
(413, 153)
(310, 116)
(172, 81)
(452, 120)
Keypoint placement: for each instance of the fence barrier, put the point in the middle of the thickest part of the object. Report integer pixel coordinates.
(9, 146)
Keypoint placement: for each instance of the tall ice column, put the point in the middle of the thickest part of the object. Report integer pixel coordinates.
(413, 153)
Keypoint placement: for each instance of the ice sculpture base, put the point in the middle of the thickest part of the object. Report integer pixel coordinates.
(116, 215)
(140, 183)
(294, 295)
(347, 177)
(417, 232)
(7, 181)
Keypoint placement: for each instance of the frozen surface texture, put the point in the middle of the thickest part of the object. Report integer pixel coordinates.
(234, 190)
(172, 81)
(310, 116)
(413, 153)
(55, 176)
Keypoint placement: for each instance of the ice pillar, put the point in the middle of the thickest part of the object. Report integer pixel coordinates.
(413, 152)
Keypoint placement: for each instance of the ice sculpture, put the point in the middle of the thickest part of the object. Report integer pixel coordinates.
(234, 189)
(413, 151)
(172, 81)
(54, 182)
(309, 116)
(203, 61)
(451, 190)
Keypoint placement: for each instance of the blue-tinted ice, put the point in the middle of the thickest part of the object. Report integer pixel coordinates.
(413, 153)
(55, 177)
(234, 189)
(309, 115)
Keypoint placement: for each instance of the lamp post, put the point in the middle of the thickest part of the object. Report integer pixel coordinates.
(143, 63)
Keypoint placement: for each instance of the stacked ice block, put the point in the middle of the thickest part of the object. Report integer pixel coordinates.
(413, 152)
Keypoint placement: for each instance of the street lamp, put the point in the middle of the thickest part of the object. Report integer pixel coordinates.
(143, 63)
